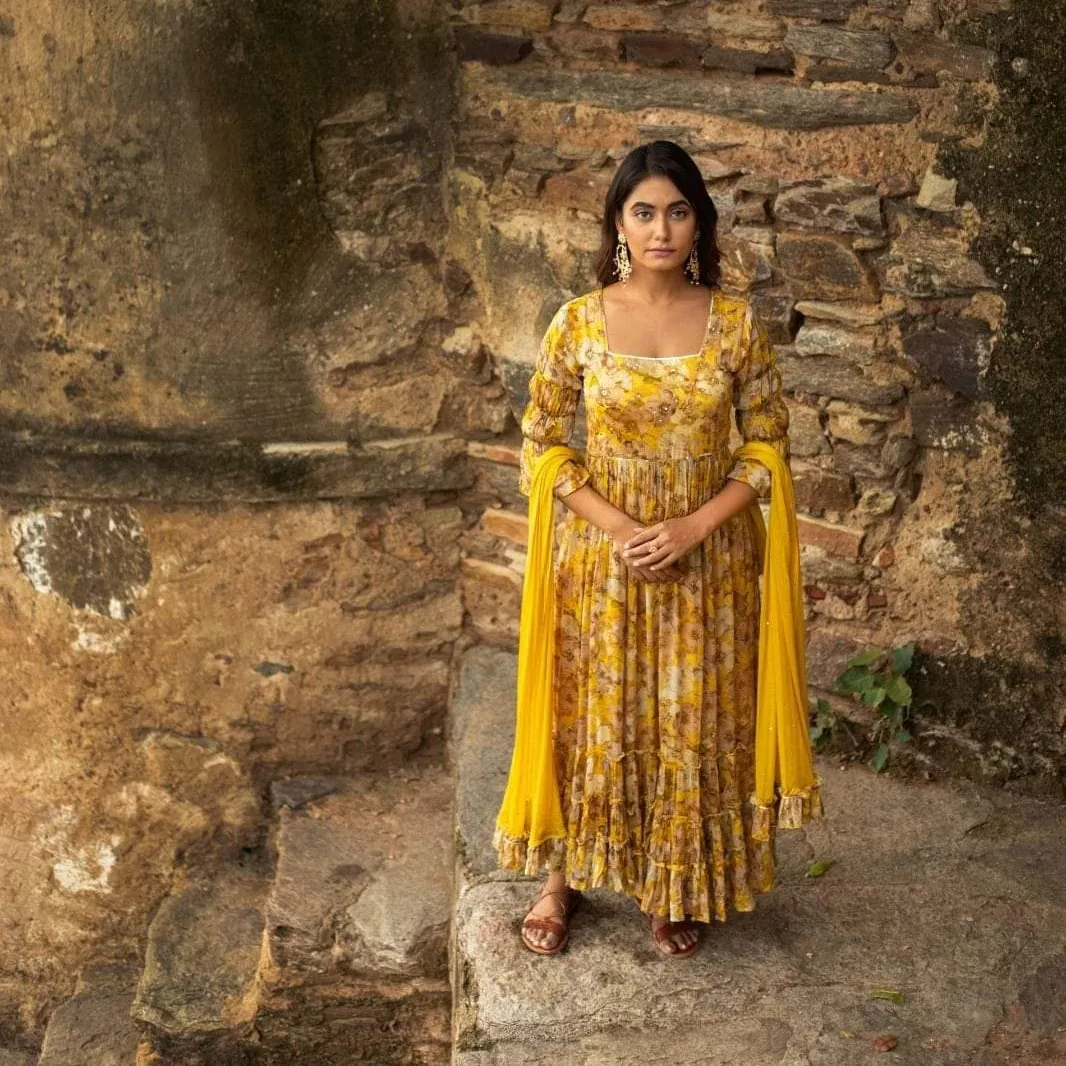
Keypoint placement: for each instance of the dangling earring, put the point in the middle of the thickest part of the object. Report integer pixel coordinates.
(692, 267)
(623, 267)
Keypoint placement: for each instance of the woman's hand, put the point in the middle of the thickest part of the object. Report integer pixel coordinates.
(621, 535)
(653, 548)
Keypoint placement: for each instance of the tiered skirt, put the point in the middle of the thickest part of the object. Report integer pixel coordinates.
(655, 706)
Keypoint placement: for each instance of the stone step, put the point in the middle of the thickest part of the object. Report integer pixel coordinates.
(951, 896)
(340, 950)
(202, 964)
(364, 879)
(93, 1027)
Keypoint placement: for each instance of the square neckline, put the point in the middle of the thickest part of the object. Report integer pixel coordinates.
(653, 358)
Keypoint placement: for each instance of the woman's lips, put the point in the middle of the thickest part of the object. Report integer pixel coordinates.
(662, 251)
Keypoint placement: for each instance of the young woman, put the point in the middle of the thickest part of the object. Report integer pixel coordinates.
(656, 594)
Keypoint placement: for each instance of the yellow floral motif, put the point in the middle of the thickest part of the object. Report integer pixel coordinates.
(655, 683)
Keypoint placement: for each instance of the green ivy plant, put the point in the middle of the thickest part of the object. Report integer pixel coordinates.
(876, 676)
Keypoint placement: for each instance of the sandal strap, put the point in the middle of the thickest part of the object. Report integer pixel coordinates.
(571, 895)
(670, 929)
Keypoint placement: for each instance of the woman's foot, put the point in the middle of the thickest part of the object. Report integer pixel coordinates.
(545, 928)
(677, 939)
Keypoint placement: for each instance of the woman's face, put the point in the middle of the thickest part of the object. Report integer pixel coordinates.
(659, 225)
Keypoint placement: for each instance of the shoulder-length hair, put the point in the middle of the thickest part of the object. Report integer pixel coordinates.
(670, 161)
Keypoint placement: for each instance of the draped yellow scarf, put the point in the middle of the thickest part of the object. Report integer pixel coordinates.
(784, 773)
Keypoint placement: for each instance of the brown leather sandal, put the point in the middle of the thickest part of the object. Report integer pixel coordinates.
(667, 931)
(557, 924)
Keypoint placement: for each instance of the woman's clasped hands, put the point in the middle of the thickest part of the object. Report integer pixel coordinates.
(652, 552)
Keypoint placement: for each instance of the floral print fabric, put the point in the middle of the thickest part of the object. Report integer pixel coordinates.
(655, 683)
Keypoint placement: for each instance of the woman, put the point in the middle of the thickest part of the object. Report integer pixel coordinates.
(656, 591)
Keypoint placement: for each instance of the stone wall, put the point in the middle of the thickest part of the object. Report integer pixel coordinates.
(233, 422)
(831, 134)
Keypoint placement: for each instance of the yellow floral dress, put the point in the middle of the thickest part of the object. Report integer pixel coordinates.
(655, 683)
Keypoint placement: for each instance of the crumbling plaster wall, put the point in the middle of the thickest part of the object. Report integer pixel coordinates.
(232, 440)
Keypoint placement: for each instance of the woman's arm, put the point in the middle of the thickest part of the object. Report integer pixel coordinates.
(761, 414)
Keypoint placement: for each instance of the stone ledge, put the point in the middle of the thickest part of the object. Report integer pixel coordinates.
(237, 471)
(788, 106)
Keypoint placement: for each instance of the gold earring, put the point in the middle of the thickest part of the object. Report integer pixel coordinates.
(623, 267)
(693, 265)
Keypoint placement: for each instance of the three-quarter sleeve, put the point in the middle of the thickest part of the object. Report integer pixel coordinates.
(554, 390)
(761, 411)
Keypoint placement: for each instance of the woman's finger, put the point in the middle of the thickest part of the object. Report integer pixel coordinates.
(648, 533)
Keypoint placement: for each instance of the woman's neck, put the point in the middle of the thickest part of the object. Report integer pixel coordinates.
(656, 289)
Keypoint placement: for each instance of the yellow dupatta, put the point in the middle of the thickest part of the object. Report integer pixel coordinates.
(784, 773)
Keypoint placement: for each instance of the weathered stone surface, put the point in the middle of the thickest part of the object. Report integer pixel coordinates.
(747, 60)
(481, 739)
(831, 73)
(767, 104)
(180, 472)
(724, 20)
(95, 558)
(937, 193)
(363, 880)
(753, 210)
(930, 54)
(659, 50)
(297, 792)
(940, 420)
(578, 189)
(744, 264)
(782, 981)
(10, 1057)
(819, 339)
(823, 266)
(778, 316)
(830, 537)
(819, 491)
(615, 16)
(523, 14)
(196, 771)
(399, 923)
(861, 460)
(201, 968)
(93, 1027)
(861, 48)
(507, 524)
(825, 375)
(847, 314)
(952, 350)
(813, 9)
(805, 434)
(930, 258)
(838, 204)
(827, 570)
(496, 48)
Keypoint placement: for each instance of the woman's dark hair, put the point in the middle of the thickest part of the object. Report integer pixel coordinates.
(670, 161)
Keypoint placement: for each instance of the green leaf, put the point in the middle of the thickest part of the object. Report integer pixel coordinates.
(873, 696)
(903, 735)
(900, 691)
(854, 680)
(887, 993)
(880, 757)
(864, 658)
(902, 658)
(823, 705)
(817, 867)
